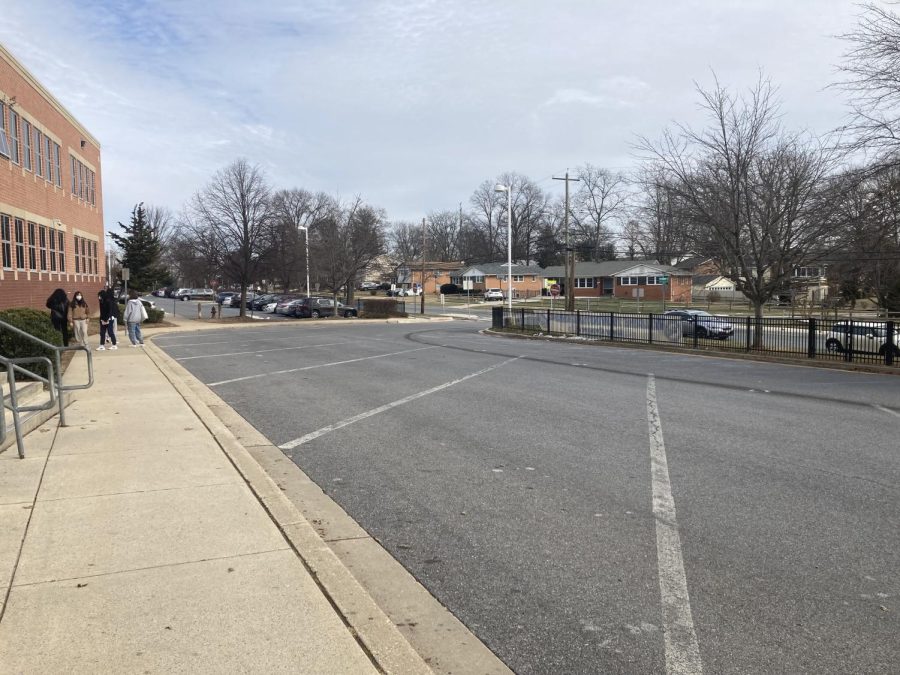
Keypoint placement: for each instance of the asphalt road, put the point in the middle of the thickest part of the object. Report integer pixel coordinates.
(597, 509)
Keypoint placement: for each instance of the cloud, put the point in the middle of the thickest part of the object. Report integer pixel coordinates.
(410, 103)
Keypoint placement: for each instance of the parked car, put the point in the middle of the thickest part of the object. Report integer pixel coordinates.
(194, 293)
(867, 337)
(285, 305)
(368, 286)
(707, 325)
(269, 307)
(222, 296)
(493, 294)
(316, 307)
(159, 293)
(260, 301)
(409, 291)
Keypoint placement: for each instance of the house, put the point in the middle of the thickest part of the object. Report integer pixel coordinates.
(625, 279)
(51, 200)
(409, 275)
(527, 280)
(707, 283)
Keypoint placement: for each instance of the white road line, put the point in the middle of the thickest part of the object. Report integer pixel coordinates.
(190, 344)
(682, 650)
(388, 406)
(886, 410)
(259, 351)
(320, 365)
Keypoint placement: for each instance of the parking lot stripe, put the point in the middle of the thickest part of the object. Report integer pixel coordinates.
(320, 365)
(887, 410)
(682, 650)
(388, 406)
(260, 351)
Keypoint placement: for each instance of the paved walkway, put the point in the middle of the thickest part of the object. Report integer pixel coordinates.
(143, 538)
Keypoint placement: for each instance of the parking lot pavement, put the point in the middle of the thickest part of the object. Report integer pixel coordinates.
(521, 483)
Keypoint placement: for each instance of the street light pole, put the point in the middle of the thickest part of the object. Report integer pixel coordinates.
(306, 240)
(508, 190)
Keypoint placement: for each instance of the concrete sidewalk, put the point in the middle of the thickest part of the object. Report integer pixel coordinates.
(141, 539)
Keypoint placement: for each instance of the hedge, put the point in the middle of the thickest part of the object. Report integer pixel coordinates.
(380, 308)
(153, 315)
(33, 321)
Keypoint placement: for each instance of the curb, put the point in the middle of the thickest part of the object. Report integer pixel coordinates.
(375, 632)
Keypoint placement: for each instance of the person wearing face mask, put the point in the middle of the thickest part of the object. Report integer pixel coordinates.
(78, 316)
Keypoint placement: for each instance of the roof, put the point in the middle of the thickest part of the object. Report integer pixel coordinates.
(610, 268)
(692, 262)
(703, 279)
(433, 265)
(498, 269)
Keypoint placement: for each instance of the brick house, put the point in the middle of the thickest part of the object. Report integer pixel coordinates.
(409, 275)
(51, 213)
(621, 278)
(527, 280)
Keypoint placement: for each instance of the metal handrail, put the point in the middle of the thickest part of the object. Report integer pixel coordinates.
(12, 367)
(57, 350)
(2, 417)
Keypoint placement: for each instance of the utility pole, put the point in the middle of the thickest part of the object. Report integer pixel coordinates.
(422, 286)
(569, 265)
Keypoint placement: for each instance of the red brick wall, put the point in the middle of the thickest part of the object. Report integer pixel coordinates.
(26, 195)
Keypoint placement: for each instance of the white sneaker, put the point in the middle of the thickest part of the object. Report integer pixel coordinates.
(114, 347)
(140, 344)
(101, 348)
(134, 345)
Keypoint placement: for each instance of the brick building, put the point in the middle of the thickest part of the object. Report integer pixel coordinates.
(51, 213)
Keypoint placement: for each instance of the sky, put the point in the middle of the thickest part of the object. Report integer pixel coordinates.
(410, 105)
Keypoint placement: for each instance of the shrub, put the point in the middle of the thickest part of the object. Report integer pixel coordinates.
(33, 321)
(713, 296)
(380, 308)
(449, 289)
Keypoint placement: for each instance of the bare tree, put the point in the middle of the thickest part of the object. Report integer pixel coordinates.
(600, 199)
(293, 211)
(872, 69)
(750, 191)
(443, 235)
(405, 242)
(348, 239)
(661, 231)
(235, 208)
(488, 211)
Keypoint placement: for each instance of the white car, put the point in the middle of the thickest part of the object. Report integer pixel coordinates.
(493, 294)
(270, 308)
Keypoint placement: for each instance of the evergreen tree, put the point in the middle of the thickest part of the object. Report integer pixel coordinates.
(142, 252)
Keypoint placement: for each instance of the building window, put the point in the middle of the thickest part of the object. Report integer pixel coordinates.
(77, 255)
(807, 272)
(57, 164)
(32, 254)
(5, 242)
(51, 248)
(93, 192)
(74, 175)
(26, 127)
(4, 141)
(584, 282)
(38, 153)
(14, 134)
(48, 157)
(518, 277)
(43, 247)
(61, 249)
(20, 244)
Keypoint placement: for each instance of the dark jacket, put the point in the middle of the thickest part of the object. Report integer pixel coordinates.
(58, 304)
(109, 307)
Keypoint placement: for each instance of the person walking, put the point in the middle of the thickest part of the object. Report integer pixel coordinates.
(134, 315)
(58, 304)
(79, 313)
(109, 311)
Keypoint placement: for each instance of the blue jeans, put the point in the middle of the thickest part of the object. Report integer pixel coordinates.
(134, 333)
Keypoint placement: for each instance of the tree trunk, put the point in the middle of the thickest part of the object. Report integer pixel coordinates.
(757, 324)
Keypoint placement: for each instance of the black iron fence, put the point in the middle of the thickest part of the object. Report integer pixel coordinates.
(865, 341)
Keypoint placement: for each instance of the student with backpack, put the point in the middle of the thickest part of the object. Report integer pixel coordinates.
(135, 314)
(109, 314)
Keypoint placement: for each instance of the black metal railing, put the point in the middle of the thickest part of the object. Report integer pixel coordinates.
(855, 341)
(14, 367)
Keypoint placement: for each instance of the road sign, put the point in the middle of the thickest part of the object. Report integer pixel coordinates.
(663, 280)
(126, 274)
(554, 290)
